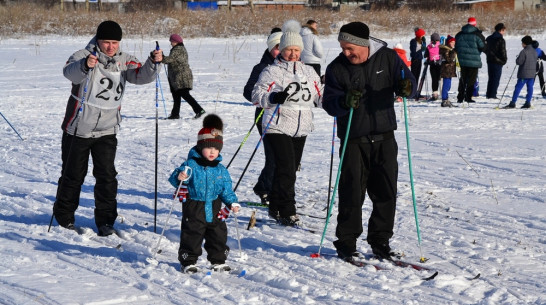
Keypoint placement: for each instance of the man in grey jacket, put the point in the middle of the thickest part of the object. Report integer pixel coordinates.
(527, 62)
(98, 73)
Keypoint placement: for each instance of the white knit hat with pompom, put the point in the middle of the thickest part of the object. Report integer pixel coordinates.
(291, 35)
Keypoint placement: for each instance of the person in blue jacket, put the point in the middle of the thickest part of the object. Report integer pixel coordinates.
(208, 185)
(540, 67)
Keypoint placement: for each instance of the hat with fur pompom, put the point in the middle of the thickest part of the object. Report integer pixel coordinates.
(291, 35)
(211, 134)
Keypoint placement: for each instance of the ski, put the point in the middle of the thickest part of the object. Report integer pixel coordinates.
(381, 264)
(275, 223)
(312, 216)
(402, 264)
(253, 204)
(237, 272)
(421, 82)
(210, 272)
(105, 240)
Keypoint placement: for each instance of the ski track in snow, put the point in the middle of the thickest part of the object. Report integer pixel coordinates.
(478, 177)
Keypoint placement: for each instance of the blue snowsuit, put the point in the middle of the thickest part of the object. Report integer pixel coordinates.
(208, 186)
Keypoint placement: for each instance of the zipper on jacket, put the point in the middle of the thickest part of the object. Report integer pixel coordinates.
(299, 123)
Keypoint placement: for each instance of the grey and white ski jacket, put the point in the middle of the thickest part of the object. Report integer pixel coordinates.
(295, 117)
(100, 114)
(312, 48)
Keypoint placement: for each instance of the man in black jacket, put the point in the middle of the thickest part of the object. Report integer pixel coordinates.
(496, 58)
(365, 77)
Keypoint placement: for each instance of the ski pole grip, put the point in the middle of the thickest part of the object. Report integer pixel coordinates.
(157, 45)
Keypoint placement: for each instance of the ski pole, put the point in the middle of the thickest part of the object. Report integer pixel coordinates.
(75, 133)
(336, 184)
(246, 137)
(507, 85)
(156, 135)
(257, 145)
(238, 237)
(156, 249)
(422, 259)
(12, 126)
(331, 165)
(162, 96)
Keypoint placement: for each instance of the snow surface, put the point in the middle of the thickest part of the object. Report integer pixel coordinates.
(478, 175)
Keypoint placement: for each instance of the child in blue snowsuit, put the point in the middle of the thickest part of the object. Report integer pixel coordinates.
(208, 185)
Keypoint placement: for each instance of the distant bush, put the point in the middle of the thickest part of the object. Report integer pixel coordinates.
(17, 20)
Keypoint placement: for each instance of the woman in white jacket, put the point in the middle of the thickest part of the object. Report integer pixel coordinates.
(312, 52)
(288, 90)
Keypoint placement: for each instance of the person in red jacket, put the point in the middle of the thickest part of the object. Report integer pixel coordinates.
(402, 53)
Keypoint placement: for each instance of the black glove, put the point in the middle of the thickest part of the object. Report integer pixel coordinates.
(352, 99)
(279, 97)
(405, 87)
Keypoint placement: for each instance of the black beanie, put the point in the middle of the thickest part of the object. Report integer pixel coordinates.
(109, 30)
(356, 33)
(527, 40)
(211, 134)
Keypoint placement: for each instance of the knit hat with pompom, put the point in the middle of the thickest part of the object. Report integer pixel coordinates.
(211, 134)
(291, 35)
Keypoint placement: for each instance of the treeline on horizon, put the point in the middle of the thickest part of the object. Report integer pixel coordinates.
(19, 19)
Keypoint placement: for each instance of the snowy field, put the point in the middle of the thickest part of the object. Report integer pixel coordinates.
(478, 174)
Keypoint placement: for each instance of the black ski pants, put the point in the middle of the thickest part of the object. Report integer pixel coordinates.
(75, 157)
(466, 83)
(369, 165)
(265, 181)
(195, 229)
(435, 70)
(180, 94)
(287, 151)
(415, 68)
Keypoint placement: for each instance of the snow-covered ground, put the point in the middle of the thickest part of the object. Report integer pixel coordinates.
(478, 174)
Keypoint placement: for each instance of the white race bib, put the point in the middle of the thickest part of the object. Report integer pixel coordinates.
(106, 90)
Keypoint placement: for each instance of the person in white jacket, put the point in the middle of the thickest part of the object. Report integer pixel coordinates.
(288, 90)
(312, 52)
